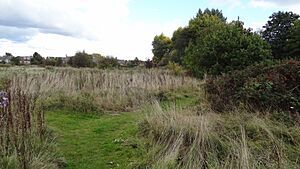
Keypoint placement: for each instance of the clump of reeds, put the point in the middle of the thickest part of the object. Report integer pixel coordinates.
(24, 140)
(187, 139)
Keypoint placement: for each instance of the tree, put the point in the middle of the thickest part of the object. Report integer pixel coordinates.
(212, 12)
(15, 60)
(81, 59)
(182, 37)
(276, 32)
(136, 61)
(180, 41)
(293, 43)
(8, 55)
(133, 63)
(50, 61)
(37, 59)
(59, 61)
(148, 64)
(106, 62)
(224, 47)
(161, 49)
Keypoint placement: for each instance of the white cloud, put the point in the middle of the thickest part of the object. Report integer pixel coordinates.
(288, 5)
(76, 18)
(55, 27)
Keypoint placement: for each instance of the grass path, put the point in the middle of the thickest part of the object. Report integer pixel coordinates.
(96, 142)
(106, 141)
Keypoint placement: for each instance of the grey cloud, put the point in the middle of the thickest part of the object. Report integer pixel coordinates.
(18, 22)
(17, 34)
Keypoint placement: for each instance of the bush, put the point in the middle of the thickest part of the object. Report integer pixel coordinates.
(260, 87)
(149, 64)
(81, 59)
(107, 62)
(175, 68)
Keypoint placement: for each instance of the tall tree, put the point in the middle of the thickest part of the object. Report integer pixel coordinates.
(37, 59)
(293, 43)
(212, 12)
(180, 41)
(8, 54)
(161, 48)
(182, 37)
(224, 47)
(276, 32)
(15, 60)
(81, 59)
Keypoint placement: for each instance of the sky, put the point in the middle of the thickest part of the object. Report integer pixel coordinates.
(121, 28)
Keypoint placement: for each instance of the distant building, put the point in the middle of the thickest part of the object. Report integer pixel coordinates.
(122, 62)
(5, 59)
(65, 60)
(25, 60)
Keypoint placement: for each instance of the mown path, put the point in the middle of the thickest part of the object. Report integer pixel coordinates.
(96, 142)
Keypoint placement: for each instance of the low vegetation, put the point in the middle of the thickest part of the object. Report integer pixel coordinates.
(200, 138)
(261, 87)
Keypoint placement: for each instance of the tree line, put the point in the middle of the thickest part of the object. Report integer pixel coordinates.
(80, 59)
(211, 45)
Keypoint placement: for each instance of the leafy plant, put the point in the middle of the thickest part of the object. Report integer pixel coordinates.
(259, 87)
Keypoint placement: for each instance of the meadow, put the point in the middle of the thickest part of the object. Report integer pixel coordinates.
(38, 92)
(133, 118)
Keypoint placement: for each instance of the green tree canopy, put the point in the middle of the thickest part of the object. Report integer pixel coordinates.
(183, 36)
(161, 48)
(180, 40)
(105, 62)
(15, 60)
(212, 12)
(37, 59)
(293, 43)
(81, 59)
(221, 47)
(276, 32)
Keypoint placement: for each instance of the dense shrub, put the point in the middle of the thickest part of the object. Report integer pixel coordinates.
(107, 62)
(81, 59)
(260, 87)
(225, 47)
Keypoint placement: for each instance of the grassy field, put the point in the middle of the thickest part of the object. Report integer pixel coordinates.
(116, 119)
(105, 140)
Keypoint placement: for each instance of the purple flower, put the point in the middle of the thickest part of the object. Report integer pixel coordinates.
(3, 99)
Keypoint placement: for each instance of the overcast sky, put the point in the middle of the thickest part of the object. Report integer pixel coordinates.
(120, 28)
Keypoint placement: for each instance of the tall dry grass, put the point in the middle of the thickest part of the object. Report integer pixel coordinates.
(187, 139)
(24, 140)
(26, 143)
(100, 89)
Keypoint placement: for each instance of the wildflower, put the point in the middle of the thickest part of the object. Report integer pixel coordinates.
(3, 99)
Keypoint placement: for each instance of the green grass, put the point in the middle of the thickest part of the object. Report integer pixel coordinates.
(90, 141)
(105, 141)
